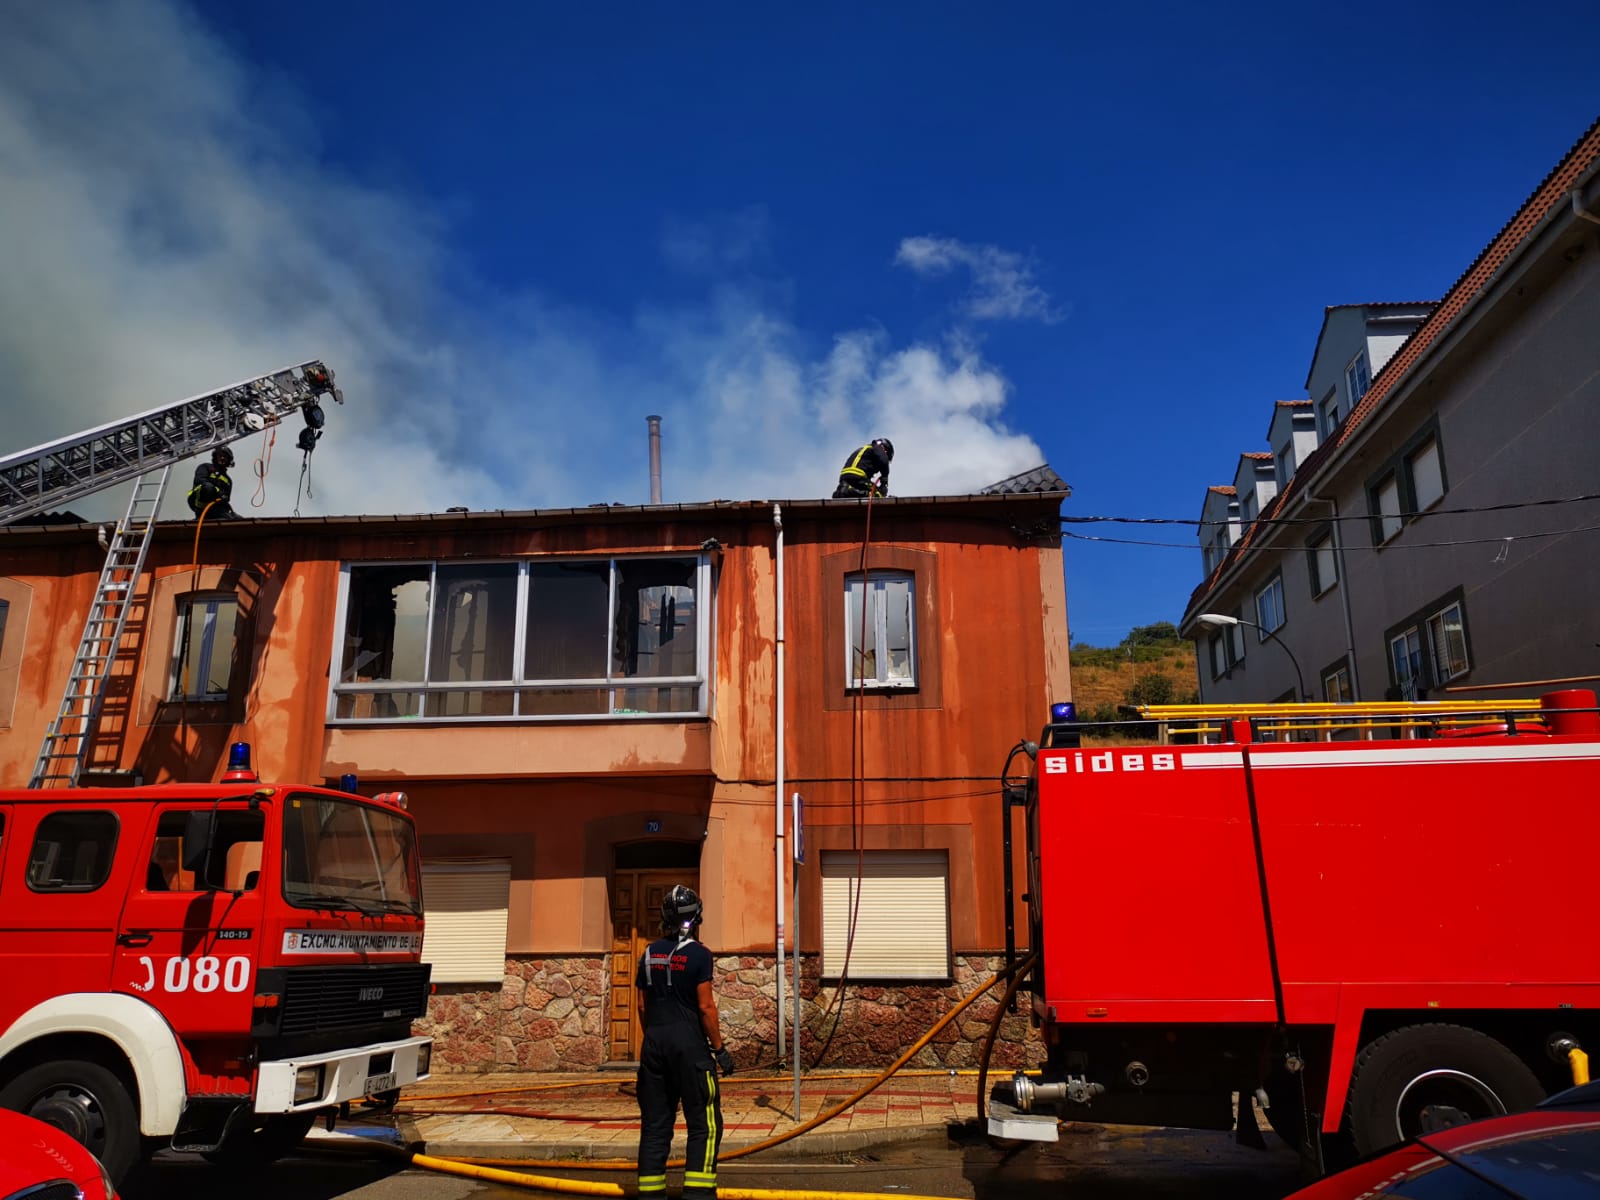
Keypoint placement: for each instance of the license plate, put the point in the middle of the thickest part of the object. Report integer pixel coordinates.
(380, 1083)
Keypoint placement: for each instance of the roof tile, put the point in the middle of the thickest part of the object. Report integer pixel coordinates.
(1040, 479)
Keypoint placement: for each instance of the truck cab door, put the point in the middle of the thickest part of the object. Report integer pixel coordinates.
(190, 931)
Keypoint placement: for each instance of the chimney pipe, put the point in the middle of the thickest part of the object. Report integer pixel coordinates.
(655, 459)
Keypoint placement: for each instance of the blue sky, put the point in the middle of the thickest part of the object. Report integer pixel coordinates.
(998, 234)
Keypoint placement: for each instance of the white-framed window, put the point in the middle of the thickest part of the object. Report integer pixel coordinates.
(1447, 643)
(1219, 655)
(1426, 475)
(1430, 650)
(1386, 507)
(898, 904)
(465, 905)
(1269, 607)
(1336, 687)
(1247, 507)
(1236, 642)
(1405, 654)
(1357, 378)
(1328, 413)
(881, 638)
(569, 639)
(1324, 563)
(202, 659)
(1283, 466)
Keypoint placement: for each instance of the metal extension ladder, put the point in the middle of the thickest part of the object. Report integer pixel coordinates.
(67, 741)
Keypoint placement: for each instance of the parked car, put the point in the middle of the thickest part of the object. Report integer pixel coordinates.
(42, 1163)
(1550, 1151)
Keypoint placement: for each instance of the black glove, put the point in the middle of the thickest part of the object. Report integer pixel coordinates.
(724, 1060)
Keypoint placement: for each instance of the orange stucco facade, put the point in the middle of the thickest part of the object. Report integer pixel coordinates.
(910, 768)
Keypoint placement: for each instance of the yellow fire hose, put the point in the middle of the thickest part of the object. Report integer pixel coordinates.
(585, 1187)
(921, 1072)
(494, 1169)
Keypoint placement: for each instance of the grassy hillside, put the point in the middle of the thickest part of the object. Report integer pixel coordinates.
(1105, 676)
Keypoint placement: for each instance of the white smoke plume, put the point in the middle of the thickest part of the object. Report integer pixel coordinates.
(165, 230)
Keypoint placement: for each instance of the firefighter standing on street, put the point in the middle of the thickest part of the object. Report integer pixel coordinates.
(212, 486)
(866, 471)
(682, 1037)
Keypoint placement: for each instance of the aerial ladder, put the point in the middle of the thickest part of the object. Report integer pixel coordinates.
(144, 449)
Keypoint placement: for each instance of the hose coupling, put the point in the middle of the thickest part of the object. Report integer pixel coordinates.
(1074, 1089)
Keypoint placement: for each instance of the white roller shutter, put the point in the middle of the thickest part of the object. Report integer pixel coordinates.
(464, 913)
(903, 922)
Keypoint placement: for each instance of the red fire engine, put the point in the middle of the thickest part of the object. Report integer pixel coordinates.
(1372, 938)
(210, 967)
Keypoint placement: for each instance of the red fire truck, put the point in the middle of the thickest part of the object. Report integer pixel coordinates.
(210, 967)
(1372, 938)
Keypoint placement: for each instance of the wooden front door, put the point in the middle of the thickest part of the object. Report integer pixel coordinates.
(635, 923)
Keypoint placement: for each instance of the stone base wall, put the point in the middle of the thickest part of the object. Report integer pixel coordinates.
(550, 1015)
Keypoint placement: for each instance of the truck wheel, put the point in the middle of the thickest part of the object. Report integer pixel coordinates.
(253, 1149)
(1426, 1077)
(87, 1102)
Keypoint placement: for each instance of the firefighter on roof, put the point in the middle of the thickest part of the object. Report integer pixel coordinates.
(866, 471)
(682, 1051)
(212, 486)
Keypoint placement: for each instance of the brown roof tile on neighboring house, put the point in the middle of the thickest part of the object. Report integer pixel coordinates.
(1293, 403)
(1256, 454)
(1551, 192)
(1223, 489)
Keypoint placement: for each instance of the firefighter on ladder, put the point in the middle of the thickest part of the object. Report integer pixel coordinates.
(212, 488)
(682, 1051)
(866, 472)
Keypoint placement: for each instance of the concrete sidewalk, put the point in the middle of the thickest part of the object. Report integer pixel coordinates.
(593, 1115)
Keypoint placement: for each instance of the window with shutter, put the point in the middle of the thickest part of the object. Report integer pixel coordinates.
(464, 912)
(902, 920)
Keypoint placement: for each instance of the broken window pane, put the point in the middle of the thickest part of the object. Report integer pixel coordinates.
(474, 622)
(386, 624)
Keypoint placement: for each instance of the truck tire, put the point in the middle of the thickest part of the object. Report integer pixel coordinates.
(254, 1149)
(86, 1101)
(1425, 1077)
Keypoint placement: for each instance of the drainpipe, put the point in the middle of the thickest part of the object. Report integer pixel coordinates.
(777, 791)
(1344, 596)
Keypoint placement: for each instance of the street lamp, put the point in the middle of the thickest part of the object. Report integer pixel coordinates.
(1223, 621)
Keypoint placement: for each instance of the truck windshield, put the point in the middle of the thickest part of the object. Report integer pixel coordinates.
(341, 854)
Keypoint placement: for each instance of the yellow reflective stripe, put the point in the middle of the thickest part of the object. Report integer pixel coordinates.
(713, 1134)
(699, 1177)
(646, 1180)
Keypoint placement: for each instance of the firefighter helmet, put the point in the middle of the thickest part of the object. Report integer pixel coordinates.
(222, 456)
(886, 446)
(680, 907)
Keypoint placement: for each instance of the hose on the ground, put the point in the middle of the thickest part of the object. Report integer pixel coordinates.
(1015, 971)
(588, 1187)
(994, 1029)
(413, 1109)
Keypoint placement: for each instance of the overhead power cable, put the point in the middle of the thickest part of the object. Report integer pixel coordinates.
(1269, 522)
(1253, 547)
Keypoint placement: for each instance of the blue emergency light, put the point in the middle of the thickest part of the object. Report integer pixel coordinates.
(1064, 711)
(347, 783)
(239, 769)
